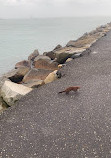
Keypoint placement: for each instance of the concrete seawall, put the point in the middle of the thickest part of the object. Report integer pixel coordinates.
(47, 124)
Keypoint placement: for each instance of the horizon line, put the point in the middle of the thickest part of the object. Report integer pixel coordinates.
(55, 17)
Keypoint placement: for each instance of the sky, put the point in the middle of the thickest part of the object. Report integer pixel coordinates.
(54, 8)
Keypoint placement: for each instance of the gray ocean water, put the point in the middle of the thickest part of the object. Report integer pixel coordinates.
(18, 38)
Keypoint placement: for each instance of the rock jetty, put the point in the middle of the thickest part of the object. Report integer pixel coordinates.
(38, 69)
(45, 124)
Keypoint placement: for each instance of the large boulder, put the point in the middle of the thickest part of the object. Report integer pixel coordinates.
(33, 55)
(52, 76)
(15, 75)
(45, 64)
(18, 74)
(50, 54)
(100, 29)
(43, 57)
(24, 63)
(66, 52)
(57, 47)
(2, 80)
(3, 105)
(71, 43)
(93, 32)
(69, 59)
(76, 55)
(34, 83)
(81, 43)
(62, 56)
(40, 74)
(12, 92)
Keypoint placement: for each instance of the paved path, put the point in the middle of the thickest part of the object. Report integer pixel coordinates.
(46, 124)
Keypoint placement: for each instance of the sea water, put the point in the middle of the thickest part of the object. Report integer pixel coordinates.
(19, 37)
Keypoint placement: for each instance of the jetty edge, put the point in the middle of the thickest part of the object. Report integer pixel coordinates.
(39, 70)
(45, 124)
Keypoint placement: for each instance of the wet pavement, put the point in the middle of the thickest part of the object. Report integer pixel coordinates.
(45, 124)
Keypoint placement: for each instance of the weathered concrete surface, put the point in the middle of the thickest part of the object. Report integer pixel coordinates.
(46, 124)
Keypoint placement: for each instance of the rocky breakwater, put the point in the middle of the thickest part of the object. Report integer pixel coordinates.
(28, 74)
(38, 69)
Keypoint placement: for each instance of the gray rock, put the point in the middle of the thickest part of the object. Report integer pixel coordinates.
(40, 74)
(5, 76)
(62, 57)
(69, 59)
(50, 54)
(12, 92)
(34, 83)
(52, 76)
(24, 63)
(103, 26)
(57, 47)
(3, 105)
(71, 43)
(46, 64)
(15, 75)
(33, 55)
(76, 55)
(43, 57)
(18, 74)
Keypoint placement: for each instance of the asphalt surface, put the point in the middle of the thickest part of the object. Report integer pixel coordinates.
(45, 124)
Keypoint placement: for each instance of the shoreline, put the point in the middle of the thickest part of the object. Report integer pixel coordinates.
(45, 40)
(52, 61)
(47, 124)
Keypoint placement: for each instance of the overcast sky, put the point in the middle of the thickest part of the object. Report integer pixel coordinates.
(54, 8)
